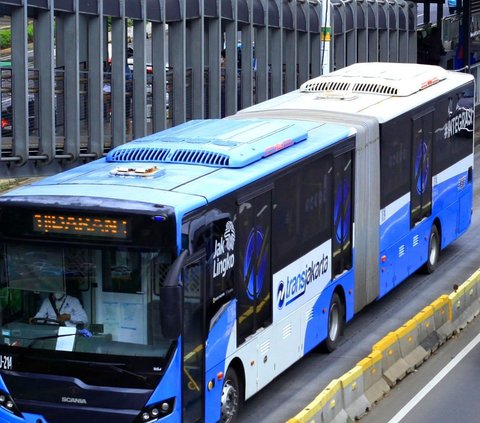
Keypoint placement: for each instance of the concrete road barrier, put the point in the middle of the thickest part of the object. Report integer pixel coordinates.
(393, 357)
(394, 367)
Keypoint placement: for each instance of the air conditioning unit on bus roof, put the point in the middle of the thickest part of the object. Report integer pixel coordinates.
(391, 79)
(211, 142)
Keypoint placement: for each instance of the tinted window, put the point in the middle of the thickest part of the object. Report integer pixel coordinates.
(394, 160)
(302, 211)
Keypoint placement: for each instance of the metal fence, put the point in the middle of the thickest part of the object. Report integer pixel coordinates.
(82, 76)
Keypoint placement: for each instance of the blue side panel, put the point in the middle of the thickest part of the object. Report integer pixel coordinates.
(465, 211)
(29, 418)
(316, 330)
(404, 257)
(404, 250)
(392, 232)
(455, 197)
(216, 351)
(170, 387)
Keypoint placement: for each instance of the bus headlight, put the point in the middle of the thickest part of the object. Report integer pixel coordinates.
(155, 411)
(7, 403)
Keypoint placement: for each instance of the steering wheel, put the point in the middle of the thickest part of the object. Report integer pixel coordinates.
(45, 321)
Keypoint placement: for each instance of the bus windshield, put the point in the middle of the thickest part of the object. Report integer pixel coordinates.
(98, 300)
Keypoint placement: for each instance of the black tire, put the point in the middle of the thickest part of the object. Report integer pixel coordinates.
(232, 398)
(335, 323)
(433, 251)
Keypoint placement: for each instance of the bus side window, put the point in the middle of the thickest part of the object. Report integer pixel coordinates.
(301, 217)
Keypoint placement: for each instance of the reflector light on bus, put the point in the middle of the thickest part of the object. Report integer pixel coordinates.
(278, 147)
(428, 83)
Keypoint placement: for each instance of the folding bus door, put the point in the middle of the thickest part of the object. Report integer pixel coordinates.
(421, 167)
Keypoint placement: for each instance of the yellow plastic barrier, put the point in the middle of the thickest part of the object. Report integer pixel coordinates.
(354, 399)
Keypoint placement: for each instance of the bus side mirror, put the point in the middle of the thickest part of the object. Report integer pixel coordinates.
(171, 311)
(171, 300)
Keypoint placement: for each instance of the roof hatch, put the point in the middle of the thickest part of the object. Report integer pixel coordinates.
(215, 142)
(392, 79)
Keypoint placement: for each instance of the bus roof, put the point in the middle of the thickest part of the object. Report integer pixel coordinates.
(382, 90)
(130, 173)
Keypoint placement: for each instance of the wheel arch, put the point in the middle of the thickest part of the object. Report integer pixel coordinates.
(237, 365)
(340, 291)
(438, 224)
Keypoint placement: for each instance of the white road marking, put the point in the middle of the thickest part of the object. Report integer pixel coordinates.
(435, 381)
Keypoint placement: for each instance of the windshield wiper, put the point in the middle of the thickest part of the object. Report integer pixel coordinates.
(115, 367)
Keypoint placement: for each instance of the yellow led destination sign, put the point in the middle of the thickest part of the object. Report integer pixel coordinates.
(96, 226)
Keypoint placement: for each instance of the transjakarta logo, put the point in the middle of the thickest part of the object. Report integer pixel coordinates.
(223, 256)
(461, 121)
(74, 400)
(304, 278)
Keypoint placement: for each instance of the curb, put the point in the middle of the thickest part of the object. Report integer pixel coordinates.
(399, 353)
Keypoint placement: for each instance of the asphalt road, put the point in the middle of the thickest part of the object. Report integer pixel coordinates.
(295, 388)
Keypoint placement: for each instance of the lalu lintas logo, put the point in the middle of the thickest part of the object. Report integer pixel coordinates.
(223, 256)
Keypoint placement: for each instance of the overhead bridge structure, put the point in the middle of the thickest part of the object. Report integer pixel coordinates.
(79, 77)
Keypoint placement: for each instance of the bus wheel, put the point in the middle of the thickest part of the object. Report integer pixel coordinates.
(433, 251)
(335, 323)
(231, 397)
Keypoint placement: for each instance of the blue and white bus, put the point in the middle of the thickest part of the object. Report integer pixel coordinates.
(210, 257)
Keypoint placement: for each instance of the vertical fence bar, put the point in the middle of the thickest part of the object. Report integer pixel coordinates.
(215, 47)
(140, 75)
(290, 47)
(316, 19)
(231, 69)
(412, 32)
(303, 41)
(383, 38)
(176, 53)
(44, 57)
(362, 43)
(71, 83)
(159, 81)
(19, 98)
(372, 29)
(262, 41)
(119, 63)
(96, 109)
(276, 53)
(350, 32)
(246, 75)
(197, 58)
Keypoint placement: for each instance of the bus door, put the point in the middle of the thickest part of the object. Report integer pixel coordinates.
(421, 167)
(253, 275)
(193, 345)
(342, 213)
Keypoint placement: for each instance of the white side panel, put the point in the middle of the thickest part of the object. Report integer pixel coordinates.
(300, 281)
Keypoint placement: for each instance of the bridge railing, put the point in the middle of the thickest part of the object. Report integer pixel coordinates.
(97, 74)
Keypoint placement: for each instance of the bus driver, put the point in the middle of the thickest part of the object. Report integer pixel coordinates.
(63, 308)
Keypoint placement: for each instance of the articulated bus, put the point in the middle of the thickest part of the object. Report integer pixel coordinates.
(177, 276)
